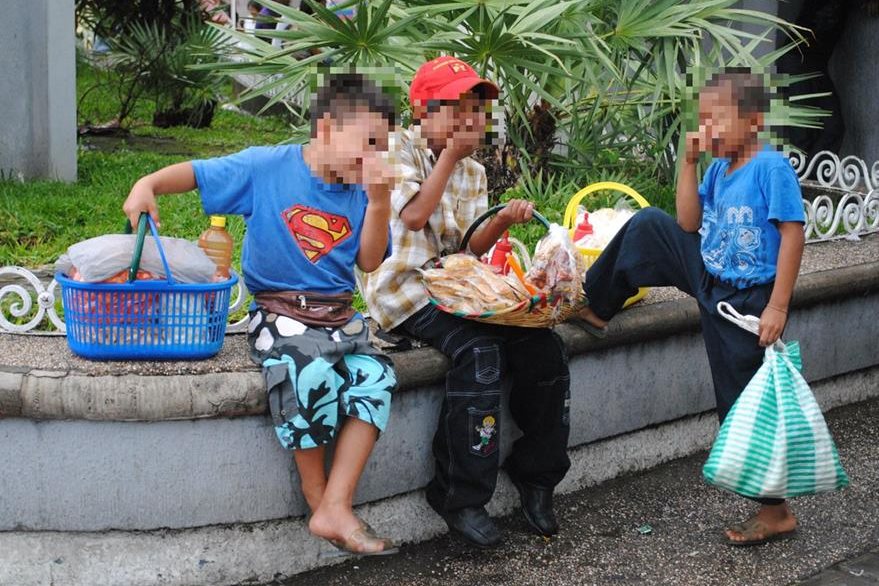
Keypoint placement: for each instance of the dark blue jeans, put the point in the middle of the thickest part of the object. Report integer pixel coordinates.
(651, 250)
(466, 443)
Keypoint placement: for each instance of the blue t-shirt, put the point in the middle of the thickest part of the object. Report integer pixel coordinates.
(740, 212)
(302, 234)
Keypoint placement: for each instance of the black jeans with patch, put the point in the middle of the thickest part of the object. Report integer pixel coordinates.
(651, 250)
(466, 442)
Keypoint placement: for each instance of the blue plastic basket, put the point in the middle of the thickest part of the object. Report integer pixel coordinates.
(145, 320)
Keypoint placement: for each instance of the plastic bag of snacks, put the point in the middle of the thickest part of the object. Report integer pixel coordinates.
(558, 267)
(605, 222)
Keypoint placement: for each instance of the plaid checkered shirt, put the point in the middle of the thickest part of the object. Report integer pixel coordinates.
(394, 292)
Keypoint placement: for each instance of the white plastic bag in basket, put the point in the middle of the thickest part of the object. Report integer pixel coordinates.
(100, 258)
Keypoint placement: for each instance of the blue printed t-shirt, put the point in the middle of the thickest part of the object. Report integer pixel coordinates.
(302, 234)
(740, 212)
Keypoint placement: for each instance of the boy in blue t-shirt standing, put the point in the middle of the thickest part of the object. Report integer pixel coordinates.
(309, 222)
(738, 238)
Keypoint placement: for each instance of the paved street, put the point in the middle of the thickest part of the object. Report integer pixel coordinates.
(860, 571)
(662, 527)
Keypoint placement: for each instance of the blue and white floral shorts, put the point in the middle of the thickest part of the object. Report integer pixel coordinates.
(317, 376)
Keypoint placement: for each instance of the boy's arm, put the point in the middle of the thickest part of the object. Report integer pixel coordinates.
(178, 178)
(374, 234)
(518, 211)
(790, 253)
(687, 202)
(419, 209)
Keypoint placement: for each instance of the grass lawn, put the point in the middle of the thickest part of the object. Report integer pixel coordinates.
(40, 219)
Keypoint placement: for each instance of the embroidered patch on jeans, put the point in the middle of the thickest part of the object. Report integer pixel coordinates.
(484, 430)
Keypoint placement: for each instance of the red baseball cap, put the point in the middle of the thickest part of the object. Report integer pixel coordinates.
(446, 78)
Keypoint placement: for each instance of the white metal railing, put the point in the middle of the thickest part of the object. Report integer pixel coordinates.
(850, 210)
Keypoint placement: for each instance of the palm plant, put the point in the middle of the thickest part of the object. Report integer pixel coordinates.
(161, 63)
(579, 77)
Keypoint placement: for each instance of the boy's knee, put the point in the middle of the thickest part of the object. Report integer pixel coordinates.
(650, 215)
(651, 220)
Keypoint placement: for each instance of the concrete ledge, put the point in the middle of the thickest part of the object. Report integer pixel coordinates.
(97, 475)
(41, 394)
(117, 395)
(175, 465)
(268, 551)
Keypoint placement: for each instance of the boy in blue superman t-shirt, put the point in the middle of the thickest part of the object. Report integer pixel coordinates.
(738, 237)
(309, 222)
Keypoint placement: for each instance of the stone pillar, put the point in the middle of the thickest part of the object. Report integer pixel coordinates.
(855, 70)
(769, 7)
(38, 90)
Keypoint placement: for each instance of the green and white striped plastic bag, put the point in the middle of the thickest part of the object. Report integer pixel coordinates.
(774, 443)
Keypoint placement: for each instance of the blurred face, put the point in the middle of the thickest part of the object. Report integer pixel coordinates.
(460, 124)
(347, 141)
(723, 129)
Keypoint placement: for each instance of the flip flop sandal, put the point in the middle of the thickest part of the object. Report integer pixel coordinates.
(359, 542)
(752, 526)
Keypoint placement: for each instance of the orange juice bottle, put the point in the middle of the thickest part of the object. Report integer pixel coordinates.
(218, 244)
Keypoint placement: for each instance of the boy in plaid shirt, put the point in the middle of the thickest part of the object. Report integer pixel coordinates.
(442, 192)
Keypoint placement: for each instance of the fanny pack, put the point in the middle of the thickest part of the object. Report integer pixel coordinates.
(326, 310)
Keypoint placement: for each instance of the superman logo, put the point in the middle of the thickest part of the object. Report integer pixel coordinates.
(316, 232)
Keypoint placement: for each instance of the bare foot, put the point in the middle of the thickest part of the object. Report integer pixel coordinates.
(342, 528)
(770, 522)
(587, 315)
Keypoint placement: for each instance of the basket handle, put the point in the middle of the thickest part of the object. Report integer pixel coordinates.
(571, 210)
(492, 211)
(144, 221)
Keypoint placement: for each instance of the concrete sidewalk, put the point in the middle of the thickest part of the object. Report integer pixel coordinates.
(662, 527)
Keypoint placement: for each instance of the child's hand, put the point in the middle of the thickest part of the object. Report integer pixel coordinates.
(460, 149)
(463, 143)
(518, 211)
(380, 176)
(772, 322)
(141, 199)
(694, 145)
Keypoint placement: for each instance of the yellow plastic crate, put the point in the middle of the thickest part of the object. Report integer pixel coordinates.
(570, 222)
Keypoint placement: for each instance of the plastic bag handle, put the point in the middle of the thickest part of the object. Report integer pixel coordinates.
(535, 215)
(144, 221)
(750, 323)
